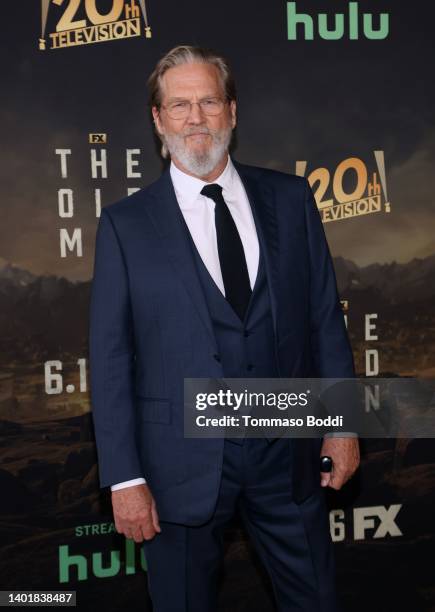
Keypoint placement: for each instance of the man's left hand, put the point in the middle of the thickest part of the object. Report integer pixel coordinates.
(344, 453)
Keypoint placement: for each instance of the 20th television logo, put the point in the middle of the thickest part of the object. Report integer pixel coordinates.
(81, 22)
(366, 191)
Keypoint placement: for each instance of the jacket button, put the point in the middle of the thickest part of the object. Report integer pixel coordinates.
(246, 333)
(249, 367)
(217, 357)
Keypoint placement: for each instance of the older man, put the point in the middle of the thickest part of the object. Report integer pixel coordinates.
(216, 269)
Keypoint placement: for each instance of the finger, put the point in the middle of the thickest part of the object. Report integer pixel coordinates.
(147, 527)
(337, 480)
(148, 531)
(137, 535)
(325, 478)
(132, 530)
(123, 528)
(155, 517)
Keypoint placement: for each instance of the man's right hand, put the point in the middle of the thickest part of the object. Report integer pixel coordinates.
(135, 512)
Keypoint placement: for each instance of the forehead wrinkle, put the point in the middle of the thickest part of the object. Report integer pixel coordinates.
(196, 82)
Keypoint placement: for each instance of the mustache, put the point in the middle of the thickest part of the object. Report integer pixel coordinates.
(195, 131)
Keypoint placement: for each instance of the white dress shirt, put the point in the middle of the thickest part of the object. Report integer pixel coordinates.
(198, 212)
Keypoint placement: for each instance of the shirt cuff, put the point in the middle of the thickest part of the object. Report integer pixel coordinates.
(127, 483)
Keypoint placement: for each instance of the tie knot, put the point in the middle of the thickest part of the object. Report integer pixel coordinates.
(213, 191)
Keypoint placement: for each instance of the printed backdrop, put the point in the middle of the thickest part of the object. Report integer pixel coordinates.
(340, 92)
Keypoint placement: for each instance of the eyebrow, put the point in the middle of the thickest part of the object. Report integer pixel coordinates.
(180, 98)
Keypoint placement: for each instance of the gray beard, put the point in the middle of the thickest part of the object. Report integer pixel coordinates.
(196, 162)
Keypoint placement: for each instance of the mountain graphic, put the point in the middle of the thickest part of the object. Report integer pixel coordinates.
(43, 316)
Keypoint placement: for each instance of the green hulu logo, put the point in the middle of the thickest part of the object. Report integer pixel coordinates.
(98, 567)
(337, 31)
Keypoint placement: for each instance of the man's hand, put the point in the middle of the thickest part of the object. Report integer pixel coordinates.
(344, 453)
(135, 512)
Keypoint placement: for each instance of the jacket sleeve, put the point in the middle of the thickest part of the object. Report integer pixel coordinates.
(330, 346)
(112, 360)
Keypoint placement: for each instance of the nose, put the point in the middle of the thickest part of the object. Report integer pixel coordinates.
(196, 115)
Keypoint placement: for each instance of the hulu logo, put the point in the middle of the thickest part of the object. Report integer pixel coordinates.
(337, 31)
(99, 570)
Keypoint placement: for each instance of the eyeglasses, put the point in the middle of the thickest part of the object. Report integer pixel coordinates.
(181, 109)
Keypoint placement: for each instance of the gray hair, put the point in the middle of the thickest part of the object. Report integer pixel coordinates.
(188, 54)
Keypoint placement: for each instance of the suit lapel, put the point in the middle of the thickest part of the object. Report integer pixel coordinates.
(168, 221)
(262, 203)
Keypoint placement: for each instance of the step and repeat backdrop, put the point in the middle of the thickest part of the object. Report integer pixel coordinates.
(339, 92)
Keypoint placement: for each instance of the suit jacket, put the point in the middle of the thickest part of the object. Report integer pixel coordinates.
(150, 328)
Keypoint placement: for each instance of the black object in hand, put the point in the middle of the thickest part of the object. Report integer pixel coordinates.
(325, 464)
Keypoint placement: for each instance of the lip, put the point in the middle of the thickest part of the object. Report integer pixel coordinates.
(199, 136)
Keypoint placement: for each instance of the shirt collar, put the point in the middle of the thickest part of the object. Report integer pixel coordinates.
(188, 188)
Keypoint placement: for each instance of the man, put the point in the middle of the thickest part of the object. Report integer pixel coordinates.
(216, 269)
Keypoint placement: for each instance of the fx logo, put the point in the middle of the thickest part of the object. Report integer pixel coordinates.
(97, 138)
(385, 524)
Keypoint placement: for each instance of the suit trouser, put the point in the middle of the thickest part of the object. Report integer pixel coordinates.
(292, 540)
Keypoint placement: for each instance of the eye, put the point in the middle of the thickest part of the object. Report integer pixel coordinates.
(179, 105)
(209, 102)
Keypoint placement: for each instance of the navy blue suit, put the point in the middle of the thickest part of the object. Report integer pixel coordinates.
(157, 318)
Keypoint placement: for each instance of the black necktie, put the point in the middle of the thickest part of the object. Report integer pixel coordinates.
(231, 254)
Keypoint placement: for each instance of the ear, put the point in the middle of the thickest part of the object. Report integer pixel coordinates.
(157, 120)
(233, 108)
